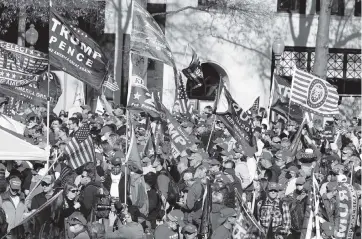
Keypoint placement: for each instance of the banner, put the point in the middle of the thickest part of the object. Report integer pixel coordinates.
(281, 98)
(140, 98)
(346, 212)
(246, 225)
(179, 138)
(147, 38)
(73, 51)
(313, 94)
(36, 92)
(133, 156)
(237, 121)
(19, 65)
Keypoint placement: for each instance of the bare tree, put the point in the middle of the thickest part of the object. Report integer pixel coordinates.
(35, 11)
(244, 14)
(322, 43)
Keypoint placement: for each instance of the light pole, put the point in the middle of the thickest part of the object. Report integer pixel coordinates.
(31, 36)
(278, 49)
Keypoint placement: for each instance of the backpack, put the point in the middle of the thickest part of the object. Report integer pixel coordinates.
(173, 188)
(297, 210)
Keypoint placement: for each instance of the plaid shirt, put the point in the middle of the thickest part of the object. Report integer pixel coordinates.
(281, 218)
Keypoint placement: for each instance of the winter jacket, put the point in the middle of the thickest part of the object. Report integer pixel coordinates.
(194, 202)
(14, 215)
(108, 182)
(88, 199)
(215, 215)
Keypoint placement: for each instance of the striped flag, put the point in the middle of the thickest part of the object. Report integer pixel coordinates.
(314, 94)
(181, 98)
(111, 86)
(80, 149)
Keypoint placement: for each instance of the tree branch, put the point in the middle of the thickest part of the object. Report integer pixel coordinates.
(180, 10)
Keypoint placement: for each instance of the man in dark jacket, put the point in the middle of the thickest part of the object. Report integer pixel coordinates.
(88, 197)
(117, 171)
(40, 199)
(193, 202)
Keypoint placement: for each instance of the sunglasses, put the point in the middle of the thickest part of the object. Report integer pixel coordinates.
(73, 191)
(273, 191)
(15, 190)
(45, 184)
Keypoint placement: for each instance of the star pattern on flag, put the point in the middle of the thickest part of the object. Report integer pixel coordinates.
(137, 96)
(82, 134)
(8, 74)
(13, 76)
(1, 73)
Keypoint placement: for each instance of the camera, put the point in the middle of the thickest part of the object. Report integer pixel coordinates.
(103, 206)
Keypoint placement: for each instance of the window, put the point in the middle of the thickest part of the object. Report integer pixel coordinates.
(211, 82)
(337, 7)
(292, 6)
(206, 2)
(343, 67)
(357, 8)
(158, 8)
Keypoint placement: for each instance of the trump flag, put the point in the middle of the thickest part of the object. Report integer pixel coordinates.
(73, 51)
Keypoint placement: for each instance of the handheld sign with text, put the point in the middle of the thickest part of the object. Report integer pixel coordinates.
(73, 51)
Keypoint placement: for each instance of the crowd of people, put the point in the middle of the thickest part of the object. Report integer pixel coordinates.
(165, 198)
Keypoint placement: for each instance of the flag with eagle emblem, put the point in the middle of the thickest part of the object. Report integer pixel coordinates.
(314, 94)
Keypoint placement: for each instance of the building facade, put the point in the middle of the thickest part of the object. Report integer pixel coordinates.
(243, 50)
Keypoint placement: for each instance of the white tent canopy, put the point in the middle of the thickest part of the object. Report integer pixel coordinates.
(14, 148)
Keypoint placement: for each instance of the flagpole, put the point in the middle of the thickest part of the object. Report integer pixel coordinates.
(48, 101)
(125, 169)
(215, 106)
(316, 206)
(211, 133)
(48, 169)
(271, 98)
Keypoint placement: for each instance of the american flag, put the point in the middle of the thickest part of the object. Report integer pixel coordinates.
(255, 107)
(80, 149)
(111, 86)
(181, 98)
(314, 94)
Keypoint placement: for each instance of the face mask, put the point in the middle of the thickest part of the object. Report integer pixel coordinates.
(116, 171)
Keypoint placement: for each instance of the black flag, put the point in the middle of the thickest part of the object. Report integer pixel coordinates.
(194, 72)
(237, 121)
(73, 51)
